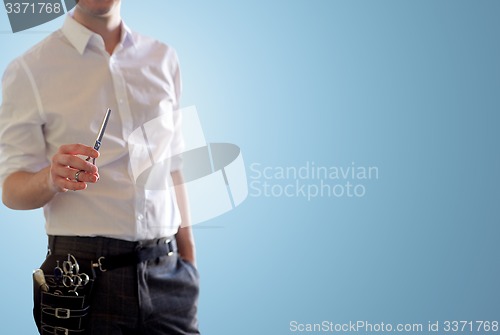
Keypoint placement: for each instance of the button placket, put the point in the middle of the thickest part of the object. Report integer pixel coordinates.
(119, 85)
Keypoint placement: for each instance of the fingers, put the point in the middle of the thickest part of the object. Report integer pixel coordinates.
(64, 178)
(78, 149)
(64, 184)
(67, 162)
(74, 162)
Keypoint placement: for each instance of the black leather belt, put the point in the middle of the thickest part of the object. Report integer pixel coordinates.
(140, 251)
(167, 248)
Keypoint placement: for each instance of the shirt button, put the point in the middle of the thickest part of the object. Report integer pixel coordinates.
(140, 217)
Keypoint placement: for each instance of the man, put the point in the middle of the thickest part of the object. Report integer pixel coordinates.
(54, 99)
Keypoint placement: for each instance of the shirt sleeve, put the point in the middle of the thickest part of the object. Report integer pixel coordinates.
(177, 146)
(22, 144)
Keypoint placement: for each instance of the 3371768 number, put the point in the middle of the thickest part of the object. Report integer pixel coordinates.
(470, 326)
(33, 8)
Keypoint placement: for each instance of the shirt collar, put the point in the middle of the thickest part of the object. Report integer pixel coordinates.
(127, 37)
(79, 36)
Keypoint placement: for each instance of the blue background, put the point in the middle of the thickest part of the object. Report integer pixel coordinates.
(408, 86)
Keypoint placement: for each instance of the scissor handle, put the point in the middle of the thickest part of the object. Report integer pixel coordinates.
(97, 145)
(68, 281)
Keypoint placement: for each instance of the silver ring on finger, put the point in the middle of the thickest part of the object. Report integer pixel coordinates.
(77, 175)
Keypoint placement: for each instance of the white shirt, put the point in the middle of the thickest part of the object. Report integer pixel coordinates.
(57, 93)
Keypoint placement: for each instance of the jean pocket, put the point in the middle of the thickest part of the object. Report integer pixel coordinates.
(193, 271)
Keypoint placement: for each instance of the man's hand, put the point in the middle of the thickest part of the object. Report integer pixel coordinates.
(28, 190)
(65, 165)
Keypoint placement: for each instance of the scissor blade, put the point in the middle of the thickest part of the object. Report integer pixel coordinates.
(100, 134)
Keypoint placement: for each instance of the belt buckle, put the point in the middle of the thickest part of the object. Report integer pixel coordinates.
(62, 313)
(61, 331)
(169, 245)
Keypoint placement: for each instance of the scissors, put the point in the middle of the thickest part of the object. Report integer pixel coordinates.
(98, 140)
(100, 134)
(69, 275)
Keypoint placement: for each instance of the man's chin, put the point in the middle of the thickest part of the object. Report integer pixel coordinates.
(104, 11)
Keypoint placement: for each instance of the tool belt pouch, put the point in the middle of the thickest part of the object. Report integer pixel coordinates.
(62, 306)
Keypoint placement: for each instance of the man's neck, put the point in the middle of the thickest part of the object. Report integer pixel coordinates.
(109, 27)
